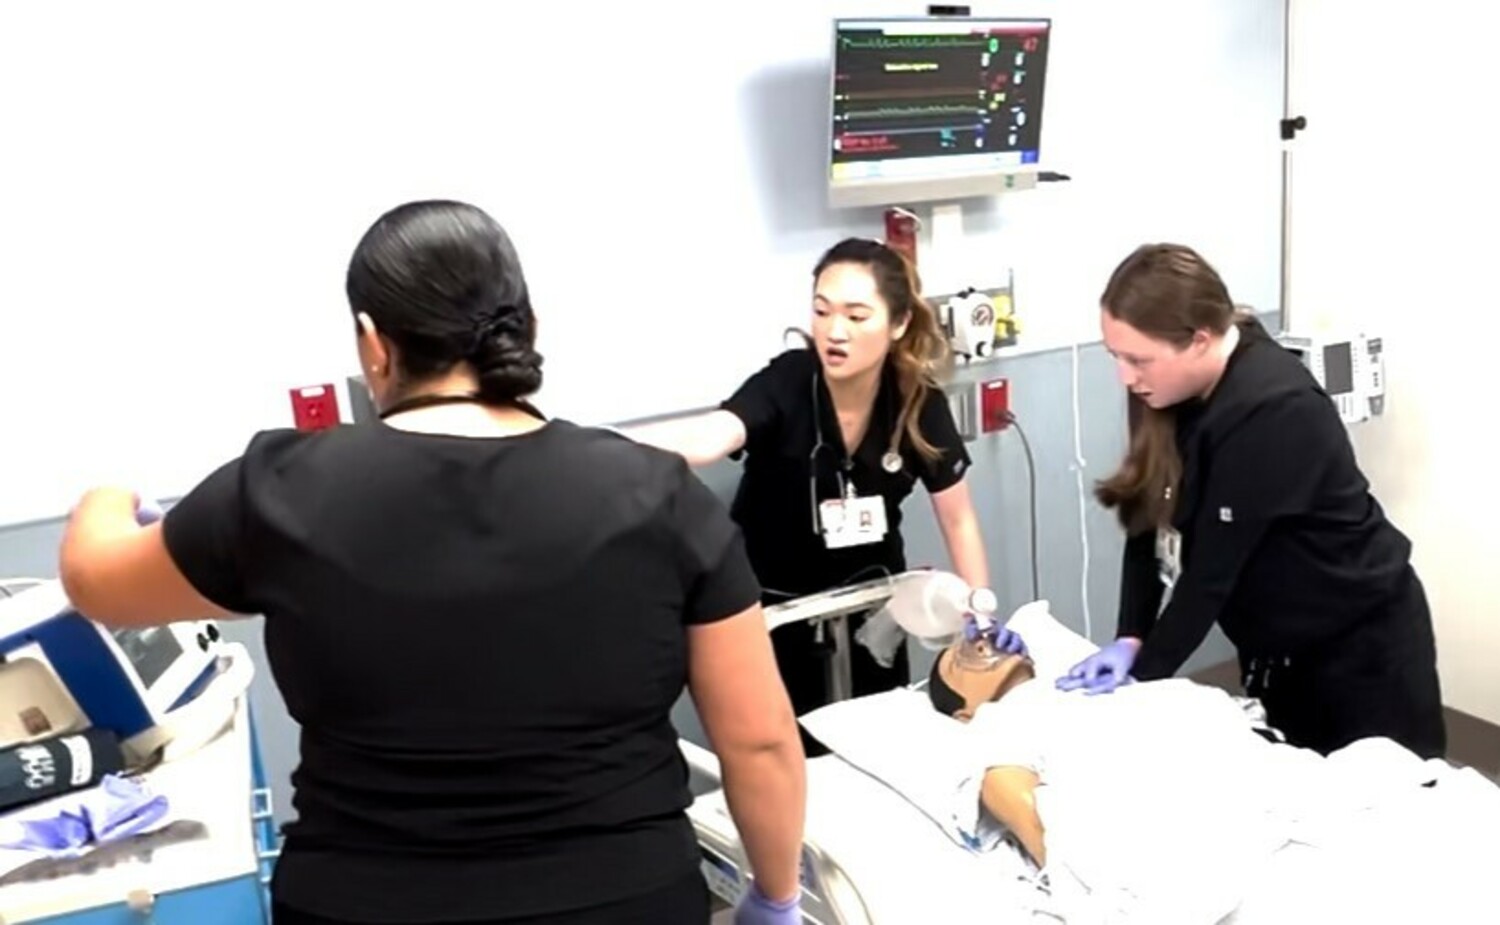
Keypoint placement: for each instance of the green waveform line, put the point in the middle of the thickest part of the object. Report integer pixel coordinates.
(912, 41)
(909, 111)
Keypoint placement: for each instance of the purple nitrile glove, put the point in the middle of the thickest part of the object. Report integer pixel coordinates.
(1103, 671)
(756, 909)
(146, 510)
(115, 809)
(120, 807)
(60, 833)
(1000, 639)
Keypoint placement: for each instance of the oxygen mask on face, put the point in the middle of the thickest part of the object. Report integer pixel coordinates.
(976, 655)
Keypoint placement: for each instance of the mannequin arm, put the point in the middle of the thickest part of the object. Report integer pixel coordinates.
(1009, 794)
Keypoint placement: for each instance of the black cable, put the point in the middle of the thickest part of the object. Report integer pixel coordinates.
(850, 580)
(1031, 479)
(854, 578)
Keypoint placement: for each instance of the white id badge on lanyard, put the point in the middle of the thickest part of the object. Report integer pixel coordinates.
(1168, 555)
(852, 521)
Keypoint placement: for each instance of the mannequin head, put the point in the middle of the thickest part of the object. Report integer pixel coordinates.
(957, 687)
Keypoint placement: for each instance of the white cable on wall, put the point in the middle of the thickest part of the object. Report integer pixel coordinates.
(1079, 465)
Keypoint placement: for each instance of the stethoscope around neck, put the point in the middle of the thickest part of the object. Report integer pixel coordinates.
(891, 461)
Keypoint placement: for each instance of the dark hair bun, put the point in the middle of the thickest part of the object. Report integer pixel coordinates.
(508, 365)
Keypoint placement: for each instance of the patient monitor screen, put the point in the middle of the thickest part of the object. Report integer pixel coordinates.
(150, 651)
(933, 97)
(1338, 368)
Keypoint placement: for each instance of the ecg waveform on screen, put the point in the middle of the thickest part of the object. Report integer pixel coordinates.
(913, 93)
(910, 42)
(907, 97)
(897, 112)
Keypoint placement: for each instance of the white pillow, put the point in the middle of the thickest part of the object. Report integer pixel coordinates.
(898, 738)
(1054, 648)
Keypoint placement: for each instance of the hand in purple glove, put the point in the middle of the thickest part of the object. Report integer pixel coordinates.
(147, 511)
(1000, 639)
(1105, 670)
(756, 909)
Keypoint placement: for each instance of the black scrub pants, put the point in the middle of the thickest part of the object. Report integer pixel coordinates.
(1378, 679)
(685, 902)
(805, 663)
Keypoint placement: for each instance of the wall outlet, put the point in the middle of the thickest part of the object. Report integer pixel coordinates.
(994, 405)
(315, 407)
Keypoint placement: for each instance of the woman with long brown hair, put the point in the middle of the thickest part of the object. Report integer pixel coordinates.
(1244, 506)
(836, 436)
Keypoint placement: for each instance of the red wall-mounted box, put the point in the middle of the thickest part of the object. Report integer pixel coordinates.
(315, 407)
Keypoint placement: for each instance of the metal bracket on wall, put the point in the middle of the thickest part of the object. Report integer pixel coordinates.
(986, 321)
(359, 400)
(965, 407)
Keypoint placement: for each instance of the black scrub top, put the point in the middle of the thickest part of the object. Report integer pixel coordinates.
(785, 478)
(1282, 543)
(482, 639)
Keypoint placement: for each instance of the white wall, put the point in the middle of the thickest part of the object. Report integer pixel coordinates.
(1394, 205)
(183, 184)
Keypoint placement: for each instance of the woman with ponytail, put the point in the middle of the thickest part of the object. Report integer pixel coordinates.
(1243, 505)
(480, 620)
(835, 437)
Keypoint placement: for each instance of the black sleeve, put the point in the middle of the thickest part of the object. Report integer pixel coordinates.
(204, 535)
(715, 569)
(935, 420)
(759, 400)
(1267, 469)
(1140, 587)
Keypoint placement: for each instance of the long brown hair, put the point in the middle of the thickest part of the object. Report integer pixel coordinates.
(923, 353)
(1168, 292)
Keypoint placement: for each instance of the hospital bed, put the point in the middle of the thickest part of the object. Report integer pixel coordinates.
(869, 856)
(873, 853)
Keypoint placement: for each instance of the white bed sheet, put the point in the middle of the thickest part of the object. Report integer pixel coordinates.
(906, 869)
(1431, 859)
(1387, 850)
(1428, 855)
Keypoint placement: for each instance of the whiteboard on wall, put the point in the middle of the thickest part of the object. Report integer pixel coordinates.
(184, 184)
